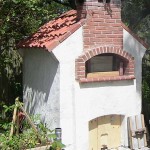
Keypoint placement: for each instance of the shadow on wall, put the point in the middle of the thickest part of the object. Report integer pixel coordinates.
(41, 72)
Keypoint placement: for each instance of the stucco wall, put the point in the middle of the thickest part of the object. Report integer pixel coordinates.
(97, 99)
(66, 53)
(41, 86)
(79, 103)
(65, 103)
(137, 50)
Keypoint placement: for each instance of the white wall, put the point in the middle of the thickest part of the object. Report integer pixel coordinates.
(52, 88)
(104, 98)
(49, 85)
(79, 103)
(66, 53)
(137, 50)
(41, 86)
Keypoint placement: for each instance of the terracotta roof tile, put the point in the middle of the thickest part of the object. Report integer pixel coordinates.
(56, 31)
(52, 33)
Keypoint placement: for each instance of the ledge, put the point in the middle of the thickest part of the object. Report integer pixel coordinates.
(102, 79)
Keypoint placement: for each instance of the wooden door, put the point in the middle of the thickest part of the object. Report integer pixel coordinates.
(93, 134)
(105, 131)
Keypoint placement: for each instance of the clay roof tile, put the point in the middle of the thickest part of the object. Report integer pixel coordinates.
(56, 31)
(51, 32)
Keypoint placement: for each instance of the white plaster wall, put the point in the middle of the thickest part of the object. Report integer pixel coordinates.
(118, 97)
(93, 100)
(137, 50)
(79, 103)
(66, 53)
(73, 104)
(41, 86)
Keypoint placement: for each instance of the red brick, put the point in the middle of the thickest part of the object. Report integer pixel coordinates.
(91, 53)
(87, 42)
(100, 50)
(83, 80)
(89, 79)
(94, 31)
(80, 68)
(107, 32)
(80, 76)
(98, 20)
(101, 28)
(117, 39)
(88, 55)
(80, 64)
(88, 35)
(87, 31)
(94, 52)
(109, 49)
(96, 15)
(86, 46)
(110, 21)
(81, 73)
(86, 39)
(107, 40)
(97, 50)
(100, 36)
(85, 58)
(110, 36)
(116, 9)
(107, 16)
(80, 60)
(117, 32)
(95, 24)
(98, 39)
(115, 16)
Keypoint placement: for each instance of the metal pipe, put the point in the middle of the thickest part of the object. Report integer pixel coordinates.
(58, 133)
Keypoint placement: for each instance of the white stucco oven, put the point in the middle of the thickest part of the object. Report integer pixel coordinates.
(87, 79)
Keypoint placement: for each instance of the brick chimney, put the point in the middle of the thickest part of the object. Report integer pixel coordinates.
(103, 23)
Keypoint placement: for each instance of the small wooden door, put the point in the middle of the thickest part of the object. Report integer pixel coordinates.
(105, 131)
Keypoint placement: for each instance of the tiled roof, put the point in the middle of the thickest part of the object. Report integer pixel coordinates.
(54, 32)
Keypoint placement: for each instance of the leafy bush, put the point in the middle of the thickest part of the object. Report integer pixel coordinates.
(146, 92)
(28, 138)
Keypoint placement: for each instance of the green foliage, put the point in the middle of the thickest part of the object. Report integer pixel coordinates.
(19, 19)
(5, 117)
(146, 91)
(28, 138)
(136, 14)
(57, 145)
(146, 78)
(22, 141)
(143, 28)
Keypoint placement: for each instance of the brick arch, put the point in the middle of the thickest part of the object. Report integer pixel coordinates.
(82, 59)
